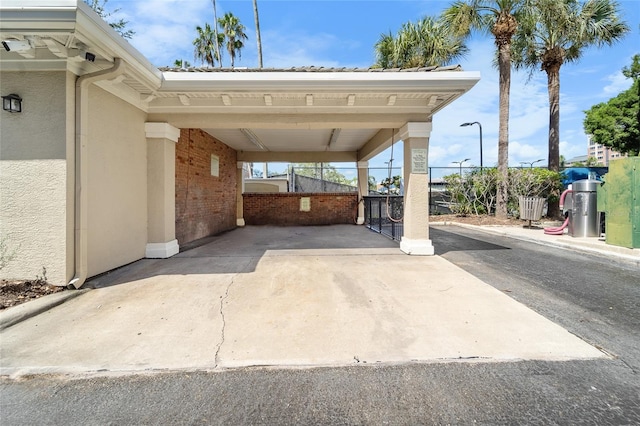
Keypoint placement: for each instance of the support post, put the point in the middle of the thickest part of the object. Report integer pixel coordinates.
(363, 188)
(239, 192)
(415, 238)
(161, 190)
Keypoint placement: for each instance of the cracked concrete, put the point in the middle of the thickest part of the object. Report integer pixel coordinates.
(222, 330)
(284, 297)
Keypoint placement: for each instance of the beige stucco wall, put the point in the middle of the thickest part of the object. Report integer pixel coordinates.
(117, 180)
(34, 177)
(265, 185)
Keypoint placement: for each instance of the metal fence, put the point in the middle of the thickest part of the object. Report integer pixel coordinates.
(384, 214)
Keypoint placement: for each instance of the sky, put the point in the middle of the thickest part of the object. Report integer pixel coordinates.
(342, 33)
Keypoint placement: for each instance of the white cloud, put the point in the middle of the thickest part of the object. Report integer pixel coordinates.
(165, 32)
(298, 49)
(571, 150)
(617, 83)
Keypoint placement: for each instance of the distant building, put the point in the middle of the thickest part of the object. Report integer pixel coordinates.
(602, 153)
(580, 160)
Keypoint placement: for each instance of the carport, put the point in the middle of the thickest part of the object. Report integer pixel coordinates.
(89, 164)
(313, 114)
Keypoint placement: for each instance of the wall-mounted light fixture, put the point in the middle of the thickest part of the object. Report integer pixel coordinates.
(12, 103)
(13, 45)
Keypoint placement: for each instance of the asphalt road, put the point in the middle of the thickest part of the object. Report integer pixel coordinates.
(592, 297)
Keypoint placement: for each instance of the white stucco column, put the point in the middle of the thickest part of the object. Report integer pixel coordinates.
(239, 191)
(161, 190)
(415, 239)
(363, 188)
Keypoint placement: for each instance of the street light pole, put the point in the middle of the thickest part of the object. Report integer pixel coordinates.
(460, 163)
(480, 127)
(531, 163)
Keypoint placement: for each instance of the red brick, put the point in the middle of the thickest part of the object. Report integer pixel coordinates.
(284, 208)
(205, 204)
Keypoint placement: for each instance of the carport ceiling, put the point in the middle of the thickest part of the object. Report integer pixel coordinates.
(270, 115)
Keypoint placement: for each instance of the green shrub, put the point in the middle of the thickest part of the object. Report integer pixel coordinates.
(475, 192)
(532, 183)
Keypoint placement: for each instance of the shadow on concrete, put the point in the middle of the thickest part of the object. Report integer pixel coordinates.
(446, 241)
(240, 251)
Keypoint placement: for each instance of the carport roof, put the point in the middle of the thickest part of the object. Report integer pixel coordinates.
(338, 114)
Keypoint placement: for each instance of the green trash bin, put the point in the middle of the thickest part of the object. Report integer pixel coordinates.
(621, 202)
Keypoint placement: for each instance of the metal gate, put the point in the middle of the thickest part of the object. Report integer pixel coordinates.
(383, 214)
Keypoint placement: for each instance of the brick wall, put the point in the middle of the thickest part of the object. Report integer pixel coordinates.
(205, 205)
(284, 208)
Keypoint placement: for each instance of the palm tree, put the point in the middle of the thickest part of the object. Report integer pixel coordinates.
(426, 43)
(181, 63)
(384, 51)
(558, 31)
(258, 39)
(233, 32)
(204, 46)
(215, 30)
(500, 18)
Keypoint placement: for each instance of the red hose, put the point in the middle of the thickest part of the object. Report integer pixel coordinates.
(564, 194)
(557, 230)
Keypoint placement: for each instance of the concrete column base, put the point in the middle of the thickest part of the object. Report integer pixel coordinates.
(360, 221)
(240, 222)
(162, 250)
(417, 247)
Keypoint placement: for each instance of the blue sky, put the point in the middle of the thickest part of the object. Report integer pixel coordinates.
(342, 33)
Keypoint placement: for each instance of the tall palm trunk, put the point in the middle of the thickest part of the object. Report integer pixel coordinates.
(504, 67)
(258, 39)
(215, 32)
(553, 87)
(503, 30)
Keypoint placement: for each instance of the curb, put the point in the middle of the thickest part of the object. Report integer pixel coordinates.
(557, 244)
(16, 314)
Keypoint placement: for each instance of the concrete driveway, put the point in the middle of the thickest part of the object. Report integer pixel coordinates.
(291, 296)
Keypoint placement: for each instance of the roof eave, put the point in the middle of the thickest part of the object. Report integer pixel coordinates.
(33, 17)
(338, 81)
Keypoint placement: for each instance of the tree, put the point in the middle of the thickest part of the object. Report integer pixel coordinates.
(204, 46)
(181, 63)
(258, 39)
(500, 18)
(384, 51)
(120, 25)
(554, 32)
(428, 42)
(234, 35)
(616, 123)
(591, 162)
(392, 185)
(215, 32)
(322, 171)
